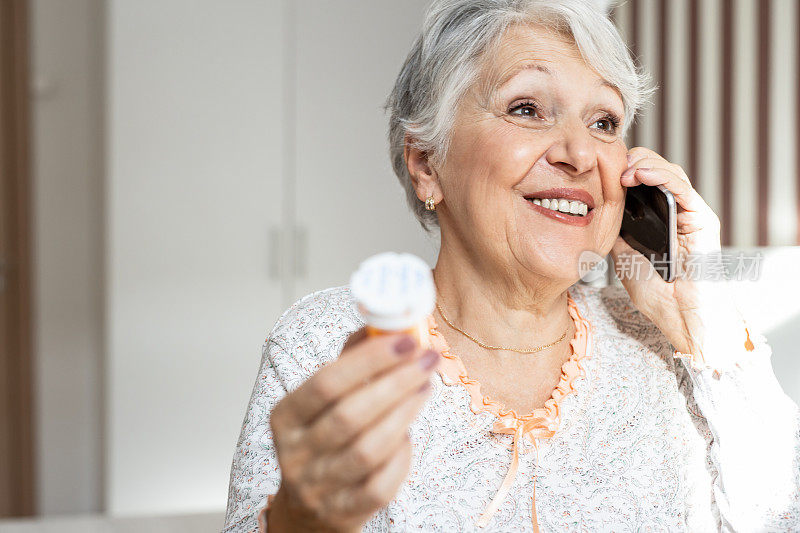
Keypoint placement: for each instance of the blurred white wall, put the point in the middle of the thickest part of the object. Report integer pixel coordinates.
(67, 59)
(771, 305)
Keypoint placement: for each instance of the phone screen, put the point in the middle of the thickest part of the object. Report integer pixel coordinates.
(649, 226)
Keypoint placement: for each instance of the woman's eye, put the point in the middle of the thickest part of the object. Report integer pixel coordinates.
(525, 110)
(606, 125)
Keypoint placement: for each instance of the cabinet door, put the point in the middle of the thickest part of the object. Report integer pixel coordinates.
(195, 164)
(348, 202)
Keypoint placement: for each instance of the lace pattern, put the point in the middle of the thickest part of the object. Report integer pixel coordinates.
(644, 441)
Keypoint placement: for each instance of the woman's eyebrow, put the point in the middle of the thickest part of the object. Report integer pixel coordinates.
(605, 83)
(516, 70)
(542, 68)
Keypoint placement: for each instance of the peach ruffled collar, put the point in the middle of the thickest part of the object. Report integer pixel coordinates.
(540, 423)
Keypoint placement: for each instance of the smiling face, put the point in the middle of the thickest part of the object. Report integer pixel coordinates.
(537, 119)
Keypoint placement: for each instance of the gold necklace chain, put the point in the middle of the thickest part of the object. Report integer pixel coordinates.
(490, 347)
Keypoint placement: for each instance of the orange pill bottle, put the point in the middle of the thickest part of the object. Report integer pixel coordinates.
(395, 293)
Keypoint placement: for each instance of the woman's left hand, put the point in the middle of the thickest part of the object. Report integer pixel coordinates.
(696, 308)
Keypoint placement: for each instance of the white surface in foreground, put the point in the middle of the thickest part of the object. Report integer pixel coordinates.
(195, 523)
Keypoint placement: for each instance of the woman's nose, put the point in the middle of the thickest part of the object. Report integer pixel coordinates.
(572, 150)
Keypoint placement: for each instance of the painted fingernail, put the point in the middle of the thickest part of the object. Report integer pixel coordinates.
(428, 359)
(404, 346)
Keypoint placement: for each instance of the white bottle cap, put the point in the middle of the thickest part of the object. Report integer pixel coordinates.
(393, 291)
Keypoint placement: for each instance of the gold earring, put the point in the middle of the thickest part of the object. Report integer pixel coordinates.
(430, 205)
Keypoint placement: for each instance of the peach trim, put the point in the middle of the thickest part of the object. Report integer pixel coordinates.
(539, 423)
(545, 419)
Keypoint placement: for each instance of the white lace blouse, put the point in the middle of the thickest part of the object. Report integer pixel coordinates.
(631, 440)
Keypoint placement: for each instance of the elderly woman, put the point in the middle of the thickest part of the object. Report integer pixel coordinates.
(540, 403)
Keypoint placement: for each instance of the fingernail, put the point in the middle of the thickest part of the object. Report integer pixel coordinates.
(644, 169)
(404, 346)
(428, 359)
(628, 172)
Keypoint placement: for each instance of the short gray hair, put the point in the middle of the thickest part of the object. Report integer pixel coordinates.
(443, 64)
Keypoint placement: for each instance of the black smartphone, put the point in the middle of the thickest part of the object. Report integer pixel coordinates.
(650, 226)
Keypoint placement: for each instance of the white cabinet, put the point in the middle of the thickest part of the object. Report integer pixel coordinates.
(195, 159)
(218, 220)
(348, 202)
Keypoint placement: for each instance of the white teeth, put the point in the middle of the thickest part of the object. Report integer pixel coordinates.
(574, 207)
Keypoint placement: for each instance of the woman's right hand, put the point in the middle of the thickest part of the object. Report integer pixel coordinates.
(341, 437)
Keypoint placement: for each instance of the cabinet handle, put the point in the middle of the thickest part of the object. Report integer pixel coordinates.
(275, 254)
(300, 252)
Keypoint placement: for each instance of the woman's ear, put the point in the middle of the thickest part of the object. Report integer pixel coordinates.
(423, 175)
